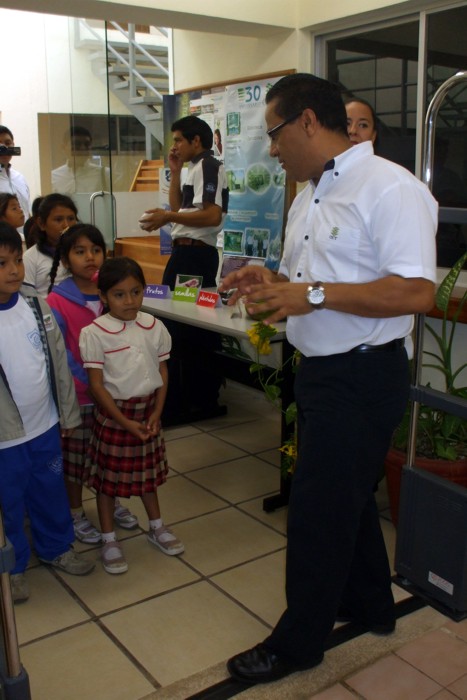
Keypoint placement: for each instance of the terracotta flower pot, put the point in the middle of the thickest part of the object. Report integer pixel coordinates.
(395, 460)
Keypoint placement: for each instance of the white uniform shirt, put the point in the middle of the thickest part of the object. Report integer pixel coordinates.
(37, 270)
(23, 361)
(366, 219)
(13, 182)
(206, 181)
(128, 353)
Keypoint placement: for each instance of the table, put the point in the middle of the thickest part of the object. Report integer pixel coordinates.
(224, 320)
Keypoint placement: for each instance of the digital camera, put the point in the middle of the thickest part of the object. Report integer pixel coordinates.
(9, 150)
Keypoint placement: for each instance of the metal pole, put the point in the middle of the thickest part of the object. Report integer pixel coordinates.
(427, 178)
(12, 674)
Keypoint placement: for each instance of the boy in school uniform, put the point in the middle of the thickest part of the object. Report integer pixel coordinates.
(37, 404)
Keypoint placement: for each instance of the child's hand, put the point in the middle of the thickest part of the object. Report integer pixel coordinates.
(154, 424)
(67, 432)
(139, 430)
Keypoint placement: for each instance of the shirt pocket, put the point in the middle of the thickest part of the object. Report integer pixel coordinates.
(123, 361)
(337, 253)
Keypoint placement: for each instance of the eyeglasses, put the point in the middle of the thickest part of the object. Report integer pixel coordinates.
(275, 129)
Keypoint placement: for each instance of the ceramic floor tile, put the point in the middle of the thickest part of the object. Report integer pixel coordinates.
(49, 608)
(438, 654)
(180, 431)
(81, 664)
(179, 499)
(392, 679)
(459, 629)
(200, 451)
(337, 692)
(257, 436)
(276, 519)
(444, 695)
(151, 572)
(271, 456)
(239, 480)
(459, 688)
(185, 631)
(259, 586)
(227, 538)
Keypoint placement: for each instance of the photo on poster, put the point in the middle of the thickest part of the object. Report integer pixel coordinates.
(236, 181)
(258, 178)
(233, 242)
(256, 242)
(233, 123)
(230, 263)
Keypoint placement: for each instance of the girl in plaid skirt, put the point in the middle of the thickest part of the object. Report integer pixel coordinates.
(125, 353)
(75, 303)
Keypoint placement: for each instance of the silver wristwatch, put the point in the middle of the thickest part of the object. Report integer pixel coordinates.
(316, 295)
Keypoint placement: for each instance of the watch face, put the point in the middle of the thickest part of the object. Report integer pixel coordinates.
(315, 296)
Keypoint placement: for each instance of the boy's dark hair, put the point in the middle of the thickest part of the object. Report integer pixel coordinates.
(6, 130)
(299, 91)
(10, 238)
(115, 270)
(48, 203)
(67, 241)
(194, 126)
(5, 199)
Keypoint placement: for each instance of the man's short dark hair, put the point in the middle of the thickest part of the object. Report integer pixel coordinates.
(299, 91)
(10, 238)
(6, 130)
(194, 126)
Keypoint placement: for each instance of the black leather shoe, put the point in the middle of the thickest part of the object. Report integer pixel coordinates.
(382, 627)
(261, 665)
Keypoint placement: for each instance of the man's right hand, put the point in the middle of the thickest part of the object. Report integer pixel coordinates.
(175, 163)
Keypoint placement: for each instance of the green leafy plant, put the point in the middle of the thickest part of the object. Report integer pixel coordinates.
(271, 380)
(439, 434)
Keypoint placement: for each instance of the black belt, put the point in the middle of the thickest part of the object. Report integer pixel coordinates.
(392, 346)
(184, 240)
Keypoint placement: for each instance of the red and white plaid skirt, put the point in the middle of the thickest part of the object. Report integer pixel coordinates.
(117, 462)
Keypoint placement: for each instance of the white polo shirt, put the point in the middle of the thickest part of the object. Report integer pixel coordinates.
(206, 181)
(13, 182)
(366, 219)
(128, 353)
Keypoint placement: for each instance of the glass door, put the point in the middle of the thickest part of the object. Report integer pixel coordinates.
(95, 135)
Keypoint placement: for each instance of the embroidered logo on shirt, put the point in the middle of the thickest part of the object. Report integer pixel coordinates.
(210, 187)
(34, 338)
(334, 233)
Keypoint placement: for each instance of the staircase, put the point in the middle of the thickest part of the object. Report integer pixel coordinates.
(147, 176)
(137, 73)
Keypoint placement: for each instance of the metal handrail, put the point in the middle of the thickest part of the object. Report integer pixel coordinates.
(427, 178)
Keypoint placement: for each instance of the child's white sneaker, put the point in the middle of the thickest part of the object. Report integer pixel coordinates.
(164, 538)
(125, 518)
(85, 530)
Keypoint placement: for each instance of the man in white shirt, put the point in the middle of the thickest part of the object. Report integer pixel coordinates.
(79, 173)
(10, 179)
(359, 260)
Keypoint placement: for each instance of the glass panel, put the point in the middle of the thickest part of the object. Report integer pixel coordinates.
(381, 67)
(447, 55)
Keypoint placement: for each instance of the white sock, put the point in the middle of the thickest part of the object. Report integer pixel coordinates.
(109, 537)
(155, 524)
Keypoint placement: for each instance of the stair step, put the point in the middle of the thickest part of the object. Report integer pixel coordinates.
(146, 251)
(144, 100)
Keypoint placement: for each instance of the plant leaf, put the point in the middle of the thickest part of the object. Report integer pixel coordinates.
(447, 285)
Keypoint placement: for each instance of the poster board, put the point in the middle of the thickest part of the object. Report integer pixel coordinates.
(259, 195)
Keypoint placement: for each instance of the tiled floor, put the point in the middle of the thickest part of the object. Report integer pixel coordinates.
(163, 630)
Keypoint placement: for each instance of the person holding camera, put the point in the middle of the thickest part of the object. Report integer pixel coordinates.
(10, 179)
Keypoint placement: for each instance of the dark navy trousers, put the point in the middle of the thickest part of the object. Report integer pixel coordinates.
(348, 407)
(32, 483)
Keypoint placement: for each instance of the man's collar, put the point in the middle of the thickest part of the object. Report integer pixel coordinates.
(5, 167)
(203, 154)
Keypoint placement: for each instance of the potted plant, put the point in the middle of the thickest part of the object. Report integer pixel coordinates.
(441, 445)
